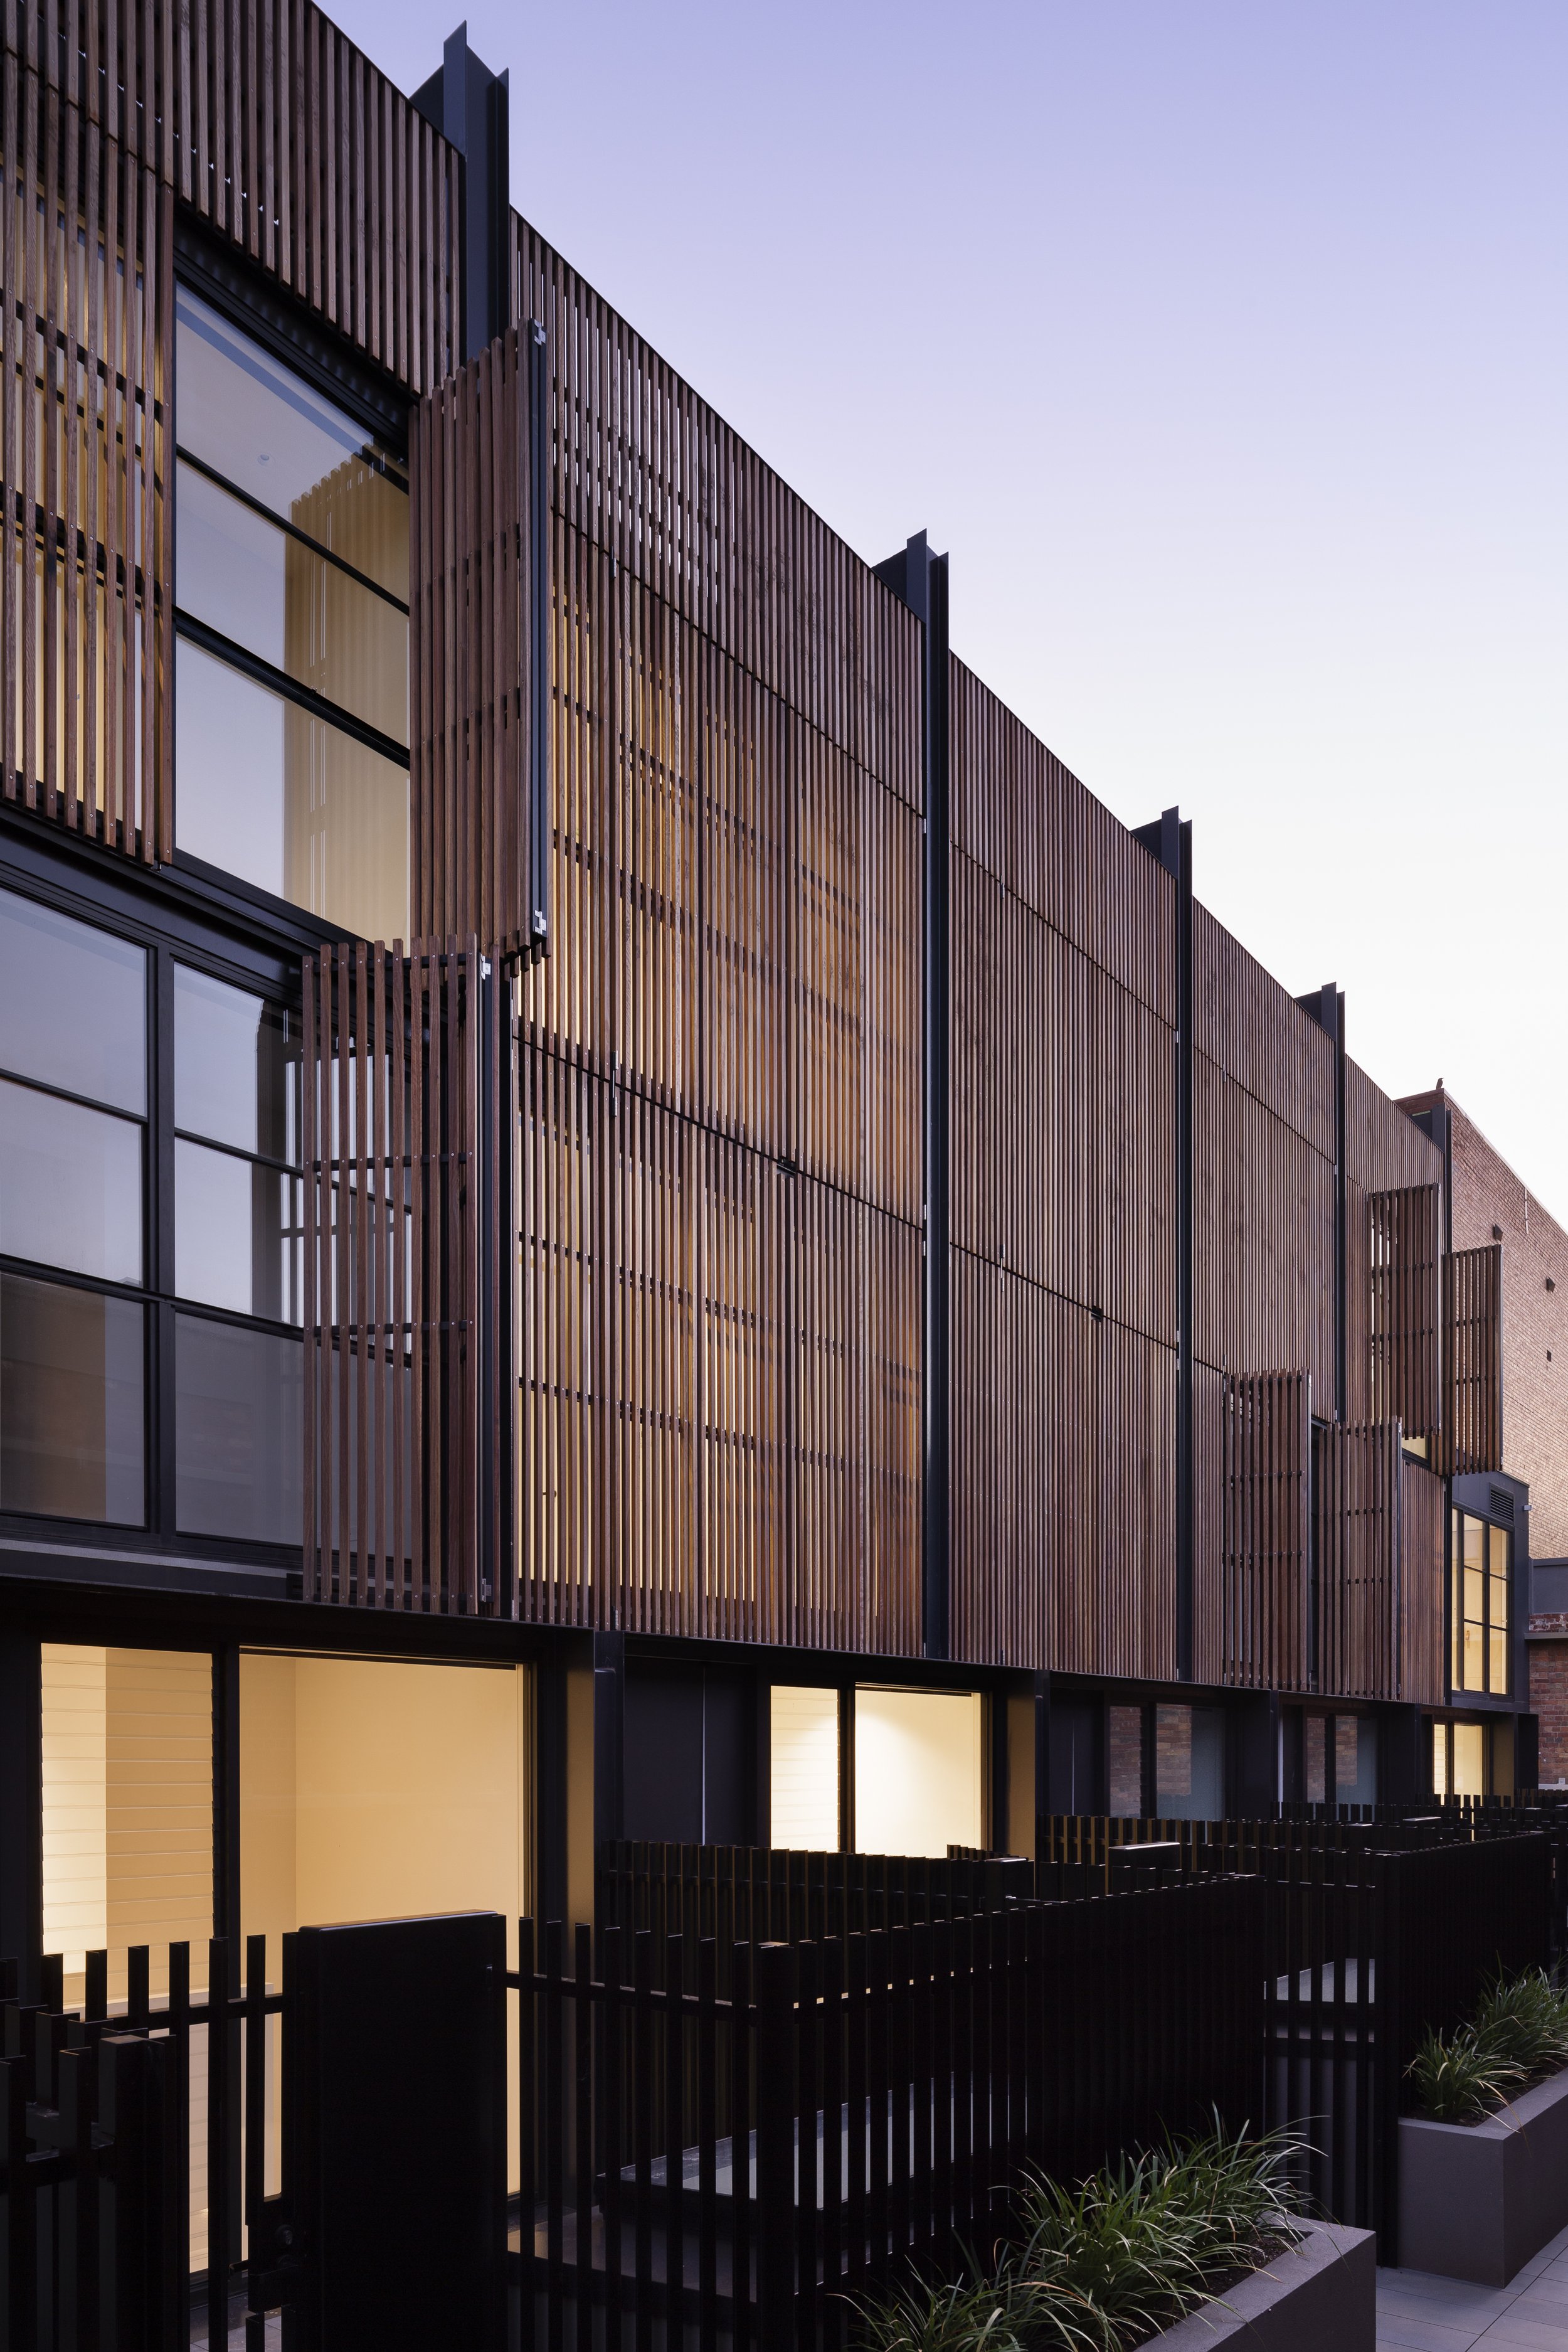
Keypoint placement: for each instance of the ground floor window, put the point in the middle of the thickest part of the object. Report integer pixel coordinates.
(1189, 1763)
(919, 1778)
(1339, 1759)
(1473, 1760)
(803, 1774)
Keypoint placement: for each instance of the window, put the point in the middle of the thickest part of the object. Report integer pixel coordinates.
(151, 1245)
(803, 1779)
(291, 678)
(919, 1785)
(1480, 1618)
(1189, 1763)
(73, 1159)
(237, 1246)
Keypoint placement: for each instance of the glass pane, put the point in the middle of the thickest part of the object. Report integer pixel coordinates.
(70, 1185)
(236, 1069)
(288, 804)
(73, 1005)
(1125, 1760)
(1470, 1760)
(278, 599)
(804, 1777)
(1498, 1683)
(1497, 1550)
(260, 426)
(1497, 1596)
(70, 1402)
(1473, 1677)
(1475, 1592)
(918, 1776)
(1439, 1760)
(1314, 1747)
(236, 1234)
(1475, 1542)
(237, 1432)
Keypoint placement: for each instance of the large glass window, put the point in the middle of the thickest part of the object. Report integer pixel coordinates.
(73, 1159)
(919, 1780)
(291, 690)
(1480, 1608)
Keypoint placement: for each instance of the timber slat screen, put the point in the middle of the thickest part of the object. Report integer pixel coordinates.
(86, 365)
(285, 139)
(1405, 1250)
(1472, 1353)
(1063, 1216)
(1253, 1598)
(720, 1178)
(473, 636)
(1385, 1154)
(396, 1137)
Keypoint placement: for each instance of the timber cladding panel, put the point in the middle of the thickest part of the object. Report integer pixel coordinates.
(396, 1134)
(1405, 1245)
(1063, 1528)
(86, 586)
(1250, 1029)
(1263, 1248)
(1024, 819)
(1384, 1153)
(720, 1397)
(650, 476)
(265, 121)
(1062, 1113)
(469, 626)
(1253, 1554)
(268, 123)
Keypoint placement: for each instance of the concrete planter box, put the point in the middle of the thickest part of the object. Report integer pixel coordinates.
(1322, 2291)
(1476, 2201)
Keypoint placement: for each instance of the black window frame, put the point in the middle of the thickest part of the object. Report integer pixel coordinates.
(56, 876)
(1459, 1690)
(257, 307)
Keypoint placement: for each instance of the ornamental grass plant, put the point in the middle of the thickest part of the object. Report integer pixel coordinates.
(1107, 2263)
(1517, 2035)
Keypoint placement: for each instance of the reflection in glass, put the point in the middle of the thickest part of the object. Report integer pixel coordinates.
(1315, 1760)
(70, 1185)
(236, 1234)
(255, 583)
(290, 804)
(259, 426)
(73, 1005)
(236, 1072)
(237, 1432)
(70, 1402)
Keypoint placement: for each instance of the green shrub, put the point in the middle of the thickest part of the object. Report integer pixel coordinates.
(1519, 2033)
(1101, 2265)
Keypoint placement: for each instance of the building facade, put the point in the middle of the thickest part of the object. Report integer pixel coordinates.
(624, 1209)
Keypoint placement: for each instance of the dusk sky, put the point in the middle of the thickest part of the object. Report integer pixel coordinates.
(1226, 349)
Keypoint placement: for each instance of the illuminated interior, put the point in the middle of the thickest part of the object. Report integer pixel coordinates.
(919, 1783)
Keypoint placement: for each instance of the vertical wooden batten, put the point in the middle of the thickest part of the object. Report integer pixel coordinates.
(479, 651)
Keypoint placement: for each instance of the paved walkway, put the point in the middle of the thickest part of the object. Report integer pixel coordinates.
(1419, 2312)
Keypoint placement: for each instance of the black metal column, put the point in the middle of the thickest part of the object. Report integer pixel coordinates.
(21, 1806)
(469, 105)
(920, 580)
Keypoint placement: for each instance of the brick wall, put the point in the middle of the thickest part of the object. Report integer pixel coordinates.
(1490, 1201)
(1549, 1698)
(1126, 1760)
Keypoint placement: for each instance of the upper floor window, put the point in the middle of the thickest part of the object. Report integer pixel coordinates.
(1479, 1606)
(151, 1244)
(73, 1229)
(291, 588)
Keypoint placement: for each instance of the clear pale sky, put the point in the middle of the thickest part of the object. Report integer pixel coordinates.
(1224, 344)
